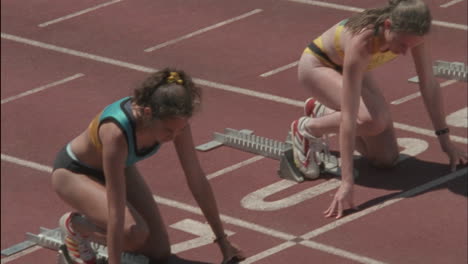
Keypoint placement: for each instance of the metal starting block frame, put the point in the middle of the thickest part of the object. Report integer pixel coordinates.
(52, 239)
(448, 70)
(245, 140)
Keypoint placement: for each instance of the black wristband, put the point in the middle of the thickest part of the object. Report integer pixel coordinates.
(442, 131)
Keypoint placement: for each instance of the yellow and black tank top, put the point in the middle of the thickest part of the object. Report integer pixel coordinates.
(378, 58)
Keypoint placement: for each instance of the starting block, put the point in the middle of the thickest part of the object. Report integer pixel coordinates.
(245, 140)
(447, 70)
(52, 239)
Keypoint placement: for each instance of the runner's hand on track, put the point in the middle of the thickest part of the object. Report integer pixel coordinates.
(342, 196)
(456, 156)
(231, 253)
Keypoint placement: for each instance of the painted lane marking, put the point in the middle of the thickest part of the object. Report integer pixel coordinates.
(356, 9)
(458, 118)
(165, 201)
(21, 254)
(396, 198)
(269, 252)
(427, 132)
(60, 19)
(258, 200)
(453, 2)
(280, 69)
(203, 30)
(25, 163)
(41, 88)
(202, 231)
(224, 87)
(279, 234)
(340, 252)
(417, 94)
(234, 167)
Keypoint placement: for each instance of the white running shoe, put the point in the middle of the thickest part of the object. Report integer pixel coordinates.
(78, 246)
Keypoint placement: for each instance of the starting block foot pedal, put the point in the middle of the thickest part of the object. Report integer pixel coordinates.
(288, 169)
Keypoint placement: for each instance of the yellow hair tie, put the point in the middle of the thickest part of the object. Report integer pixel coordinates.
(174, 77)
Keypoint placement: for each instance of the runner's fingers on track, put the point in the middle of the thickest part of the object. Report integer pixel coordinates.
(457, 157)
(331, 209)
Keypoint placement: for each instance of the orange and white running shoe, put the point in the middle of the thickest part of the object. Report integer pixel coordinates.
(78, 246)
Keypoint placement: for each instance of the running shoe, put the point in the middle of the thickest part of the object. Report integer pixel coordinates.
(304, 149)
(78, 246)
(313, 108)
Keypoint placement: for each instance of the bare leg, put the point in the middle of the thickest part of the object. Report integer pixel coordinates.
(374, 125)
(88, 197)
(139, 195)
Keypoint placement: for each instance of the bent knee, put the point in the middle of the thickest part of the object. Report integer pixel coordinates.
(374, 126)
(135, 236)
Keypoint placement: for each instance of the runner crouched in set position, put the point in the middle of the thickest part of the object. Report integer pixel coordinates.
(96, 174)
(335, 70)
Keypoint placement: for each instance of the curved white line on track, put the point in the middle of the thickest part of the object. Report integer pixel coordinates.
(282, 235)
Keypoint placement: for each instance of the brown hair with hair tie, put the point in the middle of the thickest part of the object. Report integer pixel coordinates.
(174, 77)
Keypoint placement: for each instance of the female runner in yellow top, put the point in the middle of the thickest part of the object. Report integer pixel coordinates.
(335, 69)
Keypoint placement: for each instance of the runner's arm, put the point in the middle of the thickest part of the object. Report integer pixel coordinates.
(114, 155)
(203, 194)
(433, 101)
(430, 88)
(354, 65)
(196, 180)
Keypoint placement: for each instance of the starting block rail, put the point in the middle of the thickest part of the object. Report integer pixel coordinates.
(52, 239)
(448, 70)
(245, 140)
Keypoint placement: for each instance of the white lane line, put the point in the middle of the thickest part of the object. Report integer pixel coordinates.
(196, 210)
(60, 19)
(168, 202)
(25, 163)
(225, 87)
(280, 69)
(340, 252)
(41, 88)
(356, 9)
(20, 254)
(396, 198)
(417, 94)
(427, 132)
(329, 5)
(251, 93)
(278, 234)
(77, 53)
(234, 167)
(140, 68)
(203, 30)
(269, 252)
(451, 3)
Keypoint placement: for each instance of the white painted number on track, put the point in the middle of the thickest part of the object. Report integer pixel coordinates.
(203, 231)
(458, 118)
(256, 200)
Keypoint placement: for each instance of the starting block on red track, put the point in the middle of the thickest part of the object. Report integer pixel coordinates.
(447, 70)
(245, 140)
(51, 239)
